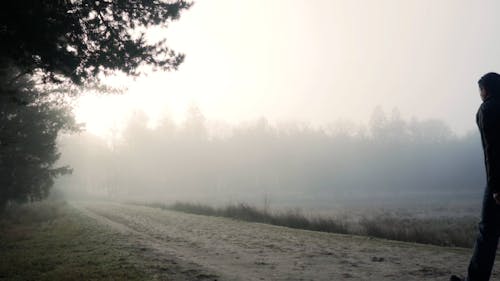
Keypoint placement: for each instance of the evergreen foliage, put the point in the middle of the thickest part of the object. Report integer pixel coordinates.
(48, 42)
(77, 39)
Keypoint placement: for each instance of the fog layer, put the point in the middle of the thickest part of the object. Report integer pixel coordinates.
(391, 159)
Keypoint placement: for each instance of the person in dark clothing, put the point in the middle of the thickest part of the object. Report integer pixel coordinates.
(488, 122)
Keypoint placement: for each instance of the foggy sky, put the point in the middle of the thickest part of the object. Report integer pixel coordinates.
(318, 61)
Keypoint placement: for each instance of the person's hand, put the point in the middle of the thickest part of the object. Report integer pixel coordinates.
(496, 196)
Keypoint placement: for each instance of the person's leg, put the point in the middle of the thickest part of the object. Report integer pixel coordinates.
(485, 247)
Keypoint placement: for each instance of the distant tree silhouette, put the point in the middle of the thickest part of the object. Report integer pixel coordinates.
(71, 41)
(194, 127)
(291, 162)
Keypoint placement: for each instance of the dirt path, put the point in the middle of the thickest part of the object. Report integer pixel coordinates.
(224, 249)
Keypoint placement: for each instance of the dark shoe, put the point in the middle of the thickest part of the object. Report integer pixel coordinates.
(456, 278)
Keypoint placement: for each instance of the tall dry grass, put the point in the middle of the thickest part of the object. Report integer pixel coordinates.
(442, 231)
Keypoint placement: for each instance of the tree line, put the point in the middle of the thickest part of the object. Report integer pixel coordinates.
(391, 157)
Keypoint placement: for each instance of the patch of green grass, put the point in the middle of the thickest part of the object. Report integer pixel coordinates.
(52, 241)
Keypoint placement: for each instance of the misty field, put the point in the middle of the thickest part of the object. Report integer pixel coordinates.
(237, 140)
(111, 241)
(394, 225)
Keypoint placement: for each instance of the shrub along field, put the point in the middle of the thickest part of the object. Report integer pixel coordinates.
(441, 231)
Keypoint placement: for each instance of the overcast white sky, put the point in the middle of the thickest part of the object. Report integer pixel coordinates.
(319, 60)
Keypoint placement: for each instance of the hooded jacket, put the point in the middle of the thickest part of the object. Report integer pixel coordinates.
(488, 121)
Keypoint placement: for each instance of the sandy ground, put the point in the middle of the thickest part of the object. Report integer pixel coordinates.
(213, 248)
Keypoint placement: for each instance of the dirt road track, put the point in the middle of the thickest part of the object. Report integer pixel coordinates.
(212, 248)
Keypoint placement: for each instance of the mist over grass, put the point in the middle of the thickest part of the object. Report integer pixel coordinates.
(441, 231)
(391, 161)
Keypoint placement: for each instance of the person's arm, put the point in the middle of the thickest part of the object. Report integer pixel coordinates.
(491, 136)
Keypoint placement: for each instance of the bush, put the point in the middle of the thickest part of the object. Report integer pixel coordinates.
(28, 213)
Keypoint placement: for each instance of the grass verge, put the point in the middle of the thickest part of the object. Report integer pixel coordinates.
(441, 231)
(52, 241)
(245, 212)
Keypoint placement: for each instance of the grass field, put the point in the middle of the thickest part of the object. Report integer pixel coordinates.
(52, 241)
(113, 241)
(439, 230)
